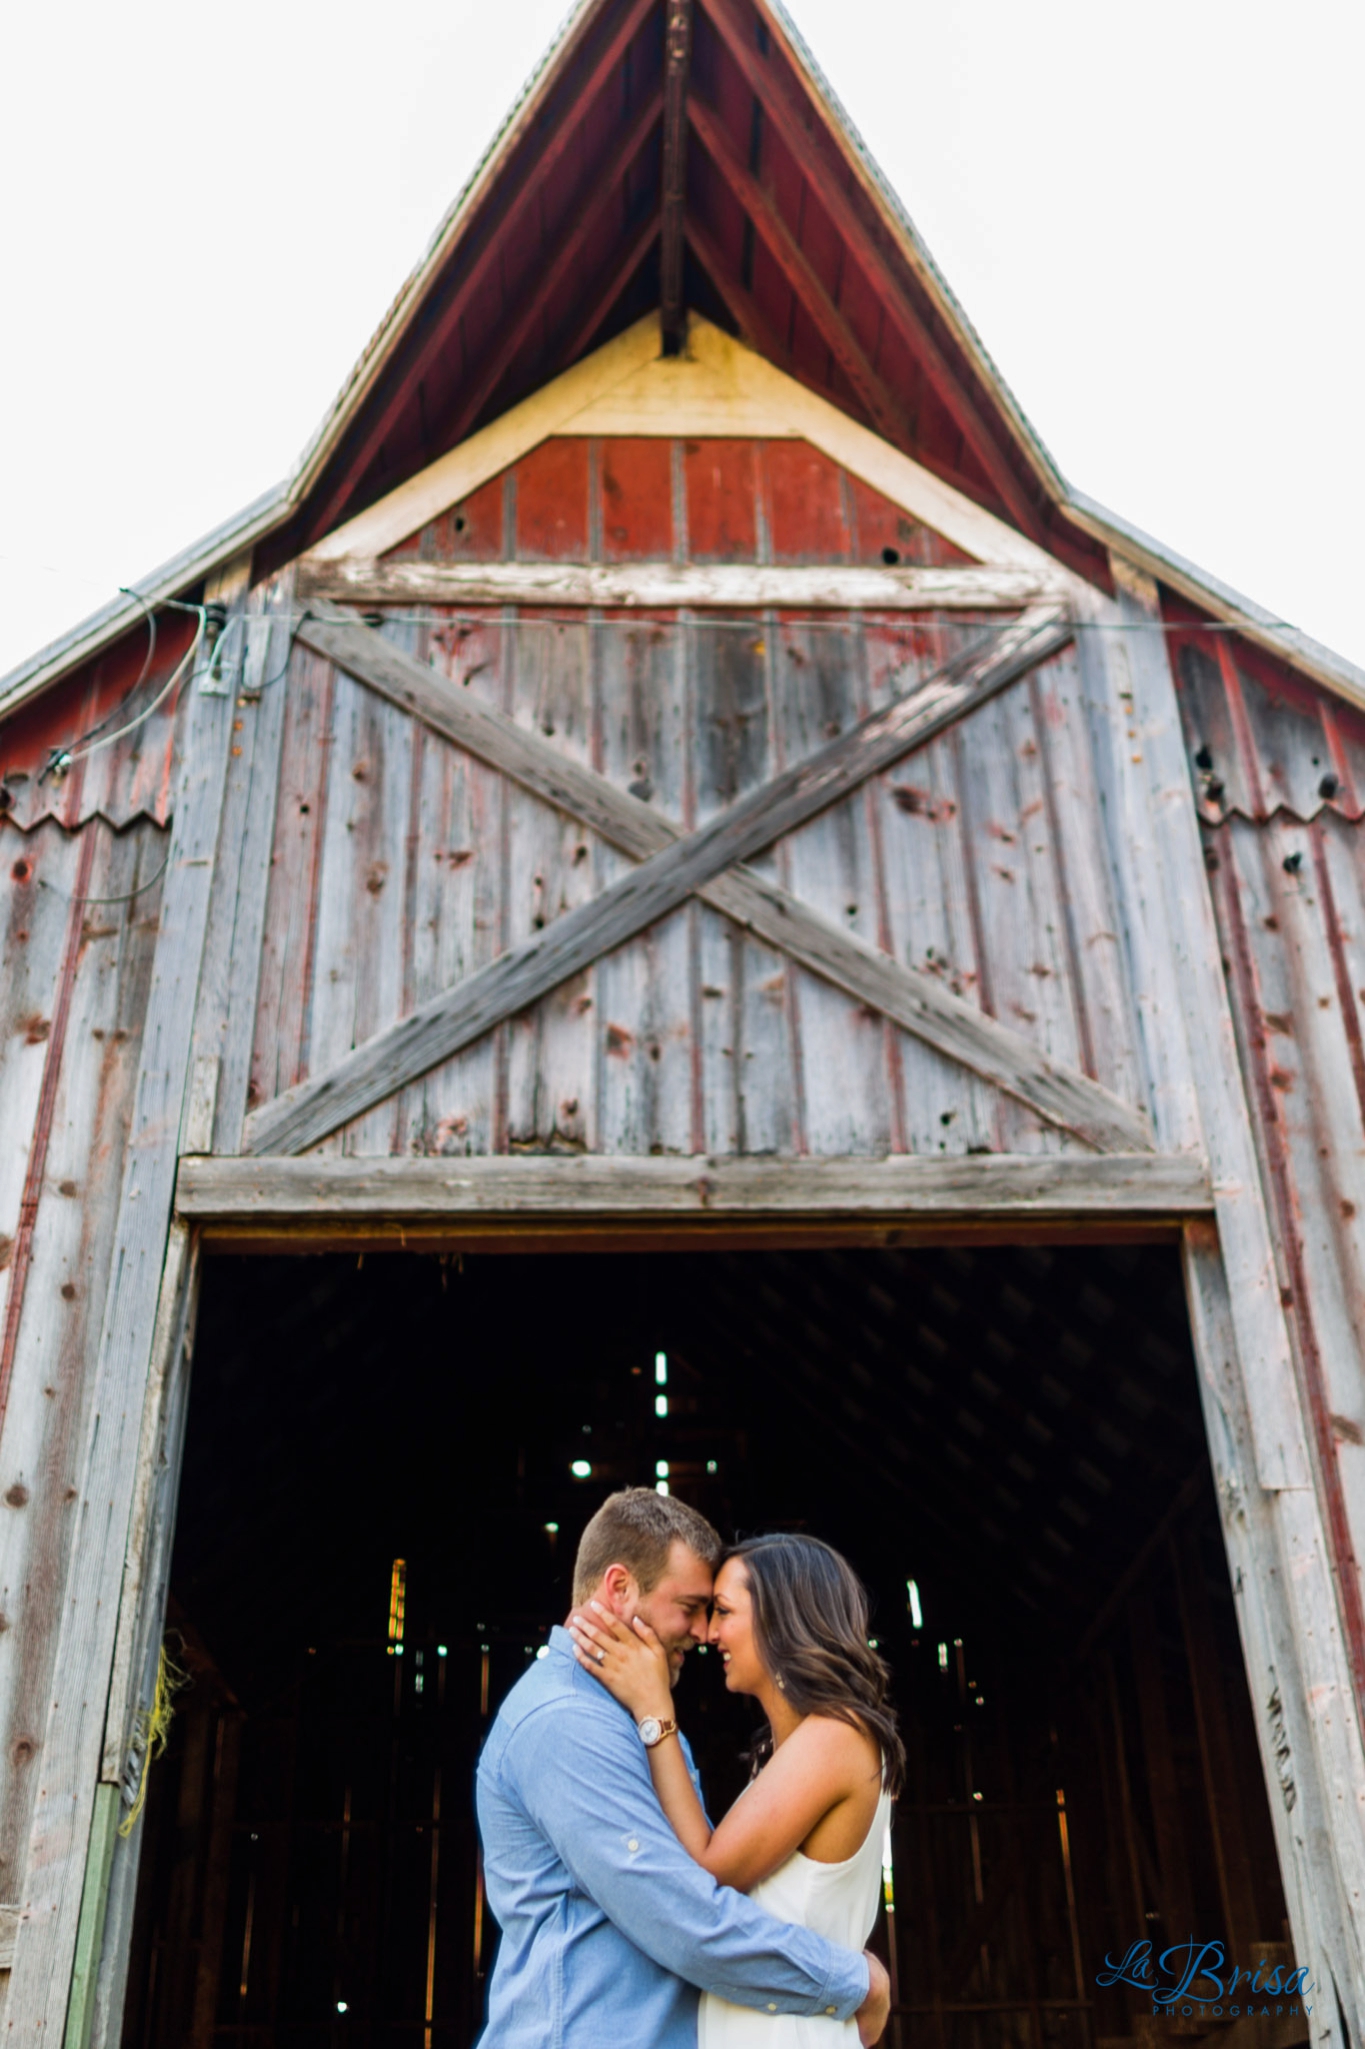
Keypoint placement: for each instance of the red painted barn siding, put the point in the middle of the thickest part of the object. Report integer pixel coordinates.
(575, 499)
(1279, 772)
(72, 1001)
(118, 775)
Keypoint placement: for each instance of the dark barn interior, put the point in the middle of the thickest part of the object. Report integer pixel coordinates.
(1016, 1431)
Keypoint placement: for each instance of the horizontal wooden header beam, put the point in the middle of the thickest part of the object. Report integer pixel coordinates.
(573, 1191)
(662, 585)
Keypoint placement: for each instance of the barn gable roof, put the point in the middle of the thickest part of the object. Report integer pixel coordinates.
(783, 232)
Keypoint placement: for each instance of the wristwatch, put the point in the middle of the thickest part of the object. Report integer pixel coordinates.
(653, 1731)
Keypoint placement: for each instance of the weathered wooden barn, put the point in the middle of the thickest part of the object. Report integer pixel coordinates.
(830, 969)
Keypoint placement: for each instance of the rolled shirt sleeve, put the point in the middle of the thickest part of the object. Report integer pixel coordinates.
(585, 1783)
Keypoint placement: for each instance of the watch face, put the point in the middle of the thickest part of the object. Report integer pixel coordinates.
(651, 1728)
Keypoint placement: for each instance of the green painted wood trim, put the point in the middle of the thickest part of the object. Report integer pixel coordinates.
(90, 1932)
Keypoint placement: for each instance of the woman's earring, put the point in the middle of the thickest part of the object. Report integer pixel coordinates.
(781, 1683)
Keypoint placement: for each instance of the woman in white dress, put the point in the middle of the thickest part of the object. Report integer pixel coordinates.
(805, 1837)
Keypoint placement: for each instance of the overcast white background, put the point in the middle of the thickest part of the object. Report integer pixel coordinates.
(1153, 216)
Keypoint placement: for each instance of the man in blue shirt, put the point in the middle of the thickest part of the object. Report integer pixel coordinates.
(608, 1927)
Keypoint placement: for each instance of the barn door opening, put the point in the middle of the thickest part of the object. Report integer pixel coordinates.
(389, 1461)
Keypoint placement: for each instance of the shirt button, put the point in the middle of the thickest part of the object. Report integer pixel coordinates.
(633, 1845)
(772, 2006)
(831, 2011)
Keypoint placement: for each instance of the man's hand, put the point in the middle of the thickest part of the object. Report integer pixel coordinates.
(875, 2011)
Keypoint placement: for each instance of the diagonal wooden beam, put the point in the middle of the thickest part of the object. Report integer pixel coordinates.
(677, 60)
(791, 124)
(588, 322)
(673, 868)
(792, 260)
(753, 325)
(564, 138)
(566, 257)
(914, 1000)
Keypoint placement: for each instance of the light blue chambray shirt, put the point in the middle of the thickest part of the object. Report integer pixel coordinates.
(608, 1926)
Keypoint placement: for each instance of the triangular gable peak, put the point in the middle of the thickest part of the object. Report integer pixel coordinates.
(900, 523)
(668, 156)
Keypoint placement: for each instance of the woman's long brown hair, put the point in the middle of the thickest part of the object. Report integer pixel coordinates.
(810, 1629)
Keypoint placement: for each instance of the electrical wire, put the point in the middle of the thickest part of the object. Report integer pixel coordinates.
(62, 758)
(128, 894)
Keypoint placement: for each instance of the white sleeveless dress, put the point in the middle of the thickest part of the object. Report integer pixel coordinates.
(836, 1900)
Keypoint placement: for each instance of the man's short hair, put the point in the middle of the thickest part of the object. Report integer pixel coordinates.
(638, 1528)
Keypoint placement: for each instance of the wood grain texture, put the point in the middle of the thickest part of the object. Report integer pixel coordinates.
(73, 1738)
(1290, 1612)
(1137, 1184)
(45, 1434)
(524, 973)
(734, 586)
(731, 728)
(232, 950)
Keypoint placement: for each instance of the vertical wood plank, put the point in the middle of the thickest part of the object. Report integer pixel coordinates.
(379, 862)
(551, 859)
(750, 1087)
(72, 1246)
(279, 1043)
(1017, 893)
(456, 900)
(74, 1732)
(929, 926)
(232, 951)
(644, 990)
(819, 692)
(1097, 972)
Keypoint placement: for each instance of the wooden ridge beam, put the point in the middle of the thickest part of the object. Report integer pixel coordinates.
(699, 586)
(512, 338)
(861, 245)
(407, 372)
(915, 1000)
(970, 1185)
(908, 997)
(677, 62)
(800, 274)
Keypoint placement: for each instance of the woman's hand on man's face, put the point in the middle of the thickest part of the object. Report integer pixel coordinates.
(627, 1657)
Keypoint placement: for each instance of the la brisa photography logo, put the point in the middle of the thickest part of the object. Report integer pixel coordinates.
(1195, 1977)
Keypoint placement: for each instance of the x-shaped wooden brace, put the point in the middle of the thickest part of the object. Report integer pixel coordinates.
(674, 866)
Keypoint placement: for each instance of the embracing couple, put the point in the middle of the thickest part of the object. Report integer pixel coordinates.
(618, 1899)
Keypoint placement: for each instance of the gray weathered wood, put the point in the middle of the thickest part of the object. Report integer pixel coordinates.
(725, 586)
(1277, 1543)
(970, 1186)
(1062, 1095)
(305, 1114)
(73, 1739)
(232, 949)
(916, 1001)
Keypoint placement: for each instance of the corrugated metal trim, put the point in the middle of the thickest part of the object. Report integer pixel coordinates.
(1261, 745)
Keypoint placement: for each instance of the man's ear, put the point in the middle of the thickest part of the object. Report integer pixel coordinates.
(619, 1591)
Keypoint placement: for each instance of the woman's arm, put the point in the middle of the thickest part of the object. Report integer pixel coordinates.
(631, 1663)
(821, 1764)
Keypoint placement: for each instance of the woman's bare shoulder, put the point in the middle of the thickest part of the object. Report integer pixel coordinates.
(839, 1745)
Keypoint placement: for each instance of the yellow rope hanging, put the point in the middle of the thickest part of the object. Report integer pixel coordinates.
(153, 1730)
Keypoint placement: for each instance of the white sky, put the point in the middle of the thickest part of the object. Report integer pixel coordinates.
(1152, 216)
